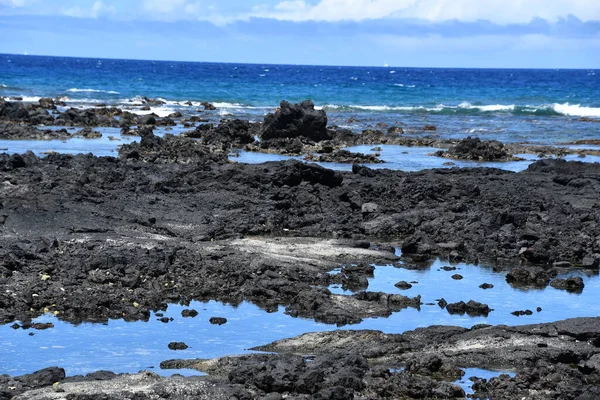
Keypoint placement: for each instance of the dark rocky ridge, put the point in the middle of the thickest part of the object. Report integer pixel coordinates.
(146, 219)
(293, 129)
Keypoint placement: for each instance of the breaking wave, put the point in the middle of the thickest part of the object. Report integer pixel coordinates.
(77, 90)
(467, 108)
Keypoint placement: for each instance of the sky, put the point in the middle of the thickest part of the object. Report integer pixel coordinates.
(408, 33)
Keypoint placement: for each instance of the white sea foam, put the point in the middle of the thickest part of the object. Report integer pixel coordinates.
(576, 110)
(227, 105)
(369, 108)
(26, 99)
(77, 90)
(3, 85)
(160, 111)
(492, 107)
(403, 85)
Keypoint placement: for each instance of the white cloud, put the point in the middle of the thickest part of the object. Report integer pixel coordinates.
(500, 11)
(503, 11)
(337, 10)
(165, 9)
(98, 9)
(163, 6)
(13, 3)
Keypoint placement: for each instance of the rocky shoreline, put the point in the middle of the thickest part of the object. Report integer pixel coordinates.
(171, 220)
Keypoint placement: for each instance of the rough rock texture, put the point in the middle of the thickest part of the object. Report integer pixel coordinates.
(571, 284)
(295, 120)
(228, 134)
(532, 276)
(559, 360)
(168, 149)
(471, 308)
(125, 227)
(477, 150)
(344, 157)
(14, 131)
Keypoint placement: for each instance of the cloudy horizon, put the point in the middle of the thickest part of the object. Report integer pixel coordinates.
(409, 33)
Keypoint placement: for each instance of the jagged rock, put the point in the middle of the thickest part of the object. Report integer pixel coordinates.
(477, 150)
(571, 284)
(472, 308)
(296, 120)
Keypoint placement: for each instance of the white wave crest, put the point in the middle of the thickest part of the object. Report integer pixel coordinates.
(77, 90)
(576, 110)
(25, 99)
(403, 85)
(3, 85)
(492, 107)
(160, 111)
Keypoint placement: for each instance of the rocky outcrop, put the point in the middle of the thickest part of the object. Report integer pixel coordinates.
(168, 149)
(529, 276)
(344, 157)
(12, 131)
(471, 308)
(571, 284)
(296, 120)
(227, 134)
(477, 150)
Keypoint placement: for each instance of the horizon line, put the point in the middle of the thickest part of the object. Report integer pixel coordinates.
(298, 65)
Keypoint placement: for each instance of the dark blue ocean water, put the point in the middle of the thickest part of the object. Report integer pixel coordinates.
(510, 105)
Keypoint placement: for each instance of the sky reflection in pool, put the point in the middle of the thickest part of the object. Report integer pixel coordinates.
(129, 347)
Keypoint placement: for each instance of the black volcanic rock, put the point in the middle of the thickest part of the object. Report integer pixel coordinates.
(296, 120)
(477, 150)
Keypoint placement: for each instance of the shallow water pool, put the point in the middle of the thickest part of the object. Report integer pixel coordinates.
(122, 346)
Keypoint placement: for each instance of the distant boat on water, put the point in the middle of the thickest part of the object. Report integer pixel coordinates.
(386, 65)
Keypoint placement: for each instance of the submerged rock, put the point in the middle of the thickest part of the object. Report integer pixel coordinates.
(403, 285)
(528, 276)
(471, 308)
(571, 284)
(88, 133)
(177, 346)
(344, 157)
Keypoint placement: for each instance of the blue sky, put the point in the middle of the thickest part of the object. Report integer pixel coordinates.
(419, 33)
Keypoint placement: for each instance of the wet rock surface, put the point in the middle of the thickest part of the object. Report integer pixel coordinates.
(344, 157)
(420, 363)
(14, 131)
(477, 150)
(571, 284)
(471, 308)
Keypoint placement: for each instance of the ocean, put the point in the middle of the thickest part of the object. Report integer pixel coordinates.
(511, 105)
